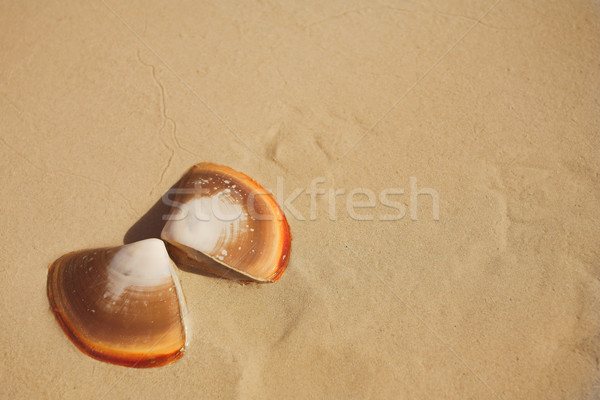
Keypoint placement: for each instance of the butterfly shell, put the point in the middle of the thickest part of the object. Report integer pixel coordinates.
(122, 305)
(225, 223)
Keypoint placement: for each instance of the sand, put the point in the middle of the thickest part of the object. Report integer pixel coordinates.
(492, 104)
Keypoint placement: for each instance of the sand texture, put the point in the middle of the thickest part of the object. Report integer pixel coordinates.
(493, 104)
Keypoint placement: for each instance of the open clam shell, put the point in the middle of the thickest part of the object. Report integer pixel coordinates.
(224, 222)
(122, 305)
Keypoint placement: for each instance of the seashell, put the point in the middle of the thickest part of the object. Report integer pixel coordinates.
(123, 305)
(225, 223)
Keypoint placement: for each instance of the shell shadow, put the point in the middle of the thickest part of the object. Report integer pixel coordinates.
(150, 225)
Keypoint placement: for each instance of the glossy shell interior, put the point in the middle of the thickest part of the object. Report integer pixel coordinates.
(223, 214)
(122, 305)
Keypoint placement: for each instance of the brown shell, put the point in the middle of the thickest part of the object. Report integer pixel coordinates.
(119, 313)
(225, 223)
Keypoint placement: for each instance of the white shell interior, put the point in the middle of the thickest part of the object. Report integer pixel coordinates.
(207, 224)
(140, 264)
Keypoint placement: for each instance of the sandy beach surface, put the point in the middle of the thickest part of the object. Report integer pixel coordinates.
(490, 108)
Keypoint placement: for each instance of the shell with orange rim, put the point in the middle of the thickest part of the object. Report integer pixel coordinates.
(122, 305)
(225, 223)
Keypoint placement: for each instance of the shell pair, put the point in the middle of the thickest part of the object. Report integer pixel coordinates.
(125, 305)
